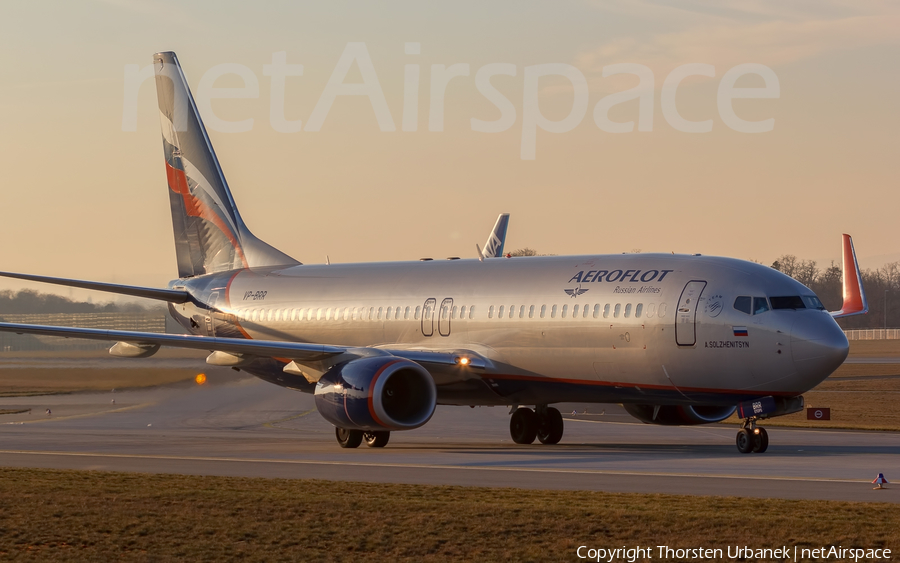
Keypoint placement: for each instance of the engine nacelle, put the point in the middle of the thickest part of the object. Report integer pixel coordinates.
(679, 415)
(377, 393)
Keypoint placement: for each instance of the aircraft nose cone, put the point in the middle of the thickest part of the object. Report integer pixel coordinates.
(818, 346)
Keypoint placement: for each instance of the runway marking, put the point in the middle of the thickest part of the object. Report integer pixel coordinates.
(424, 466)
(83, 415)
(785, 428)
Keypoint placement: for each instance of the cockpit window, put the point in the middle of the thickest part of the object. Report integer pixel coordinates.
(760, 305)
(788, 302)
(742, 304)
(812, 302)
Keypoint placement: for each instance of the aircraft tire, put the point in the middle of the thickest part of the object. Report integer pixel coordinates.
(760, 441)
(523, 426)
(550, 428)
(744, 441)
(348, 438)
(377, 439)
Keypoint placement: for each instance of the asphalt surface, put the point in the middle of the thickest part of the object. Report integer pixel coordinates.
(245, 427)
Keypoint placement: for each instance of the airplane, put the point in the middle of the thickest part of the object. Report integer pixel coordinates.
(676, 339)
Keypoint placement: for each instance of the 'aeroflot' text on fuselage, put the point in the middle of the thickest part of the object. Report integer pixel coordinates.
(635, 276)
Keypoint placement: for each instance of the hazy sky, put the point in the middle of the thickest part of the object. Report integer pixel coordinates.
(85, 196)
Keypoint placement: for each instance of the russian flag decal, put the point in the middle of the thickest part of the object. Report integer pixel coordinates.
(740, 330)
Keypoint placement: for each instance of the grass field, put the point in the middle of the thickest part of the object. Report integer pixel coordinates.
(48, 516)
(31, 376)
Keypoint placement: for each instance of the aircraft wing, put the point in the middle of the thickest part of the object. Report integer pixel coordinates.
(446, 366)
(855, 302)
(266, 348)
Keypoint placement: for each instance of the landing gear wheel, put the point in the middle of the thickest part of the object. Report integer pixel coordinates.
(744, 441)
(523, 426)
(550, 427)
(377, 438)
(760, 441)
(348, 438)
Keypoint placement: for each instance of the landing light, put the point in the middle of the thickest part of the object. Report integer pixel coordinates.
(463, 361)
(200, 379)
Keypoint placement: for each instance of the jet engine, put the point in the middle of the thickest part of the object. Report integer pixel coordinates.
(376, 393)
(679, 415)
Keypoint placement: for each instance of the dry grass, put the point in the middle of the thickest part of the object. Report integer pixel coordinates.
(31, 376)
(875, 348)
(860, 396)
(20, 382)
(48, 516)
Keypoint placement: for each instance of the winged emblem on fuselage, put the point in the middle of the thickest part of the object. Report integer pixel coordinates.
(575, 292)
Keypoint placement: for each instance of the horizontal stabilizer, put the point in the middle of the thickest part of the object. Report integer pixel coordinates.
(170, 295)
(854, 295)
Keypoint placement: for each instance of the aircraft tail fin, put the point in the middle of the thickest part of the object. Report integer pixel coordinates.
(855, 302)
(493, 247)
(210, 235)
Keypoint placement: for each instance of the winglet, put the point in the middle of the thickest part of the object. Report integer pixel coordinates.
(854, 295)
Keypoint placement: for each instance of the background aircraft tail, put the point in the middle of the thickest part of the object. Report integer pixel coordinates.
(210, 235)
(493, 247)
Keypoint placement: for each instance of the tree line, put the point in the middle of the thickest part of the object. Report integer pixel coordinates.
(882, 287)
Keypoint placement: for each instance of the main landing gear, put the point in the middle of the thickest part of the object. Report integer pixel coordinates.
(353, 438)
(752, 438)
(544, 423)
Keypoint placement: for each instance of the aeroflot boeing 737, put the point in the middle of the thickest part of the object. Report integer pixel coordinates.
(676, 339)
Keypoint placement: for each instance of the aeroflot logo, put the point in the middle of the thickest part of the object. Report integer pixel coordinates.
(621, 276)
(525, 110)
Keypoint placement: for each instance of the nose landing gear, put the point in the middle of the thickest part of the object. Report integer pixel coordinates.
(752, 438)
(544, 423)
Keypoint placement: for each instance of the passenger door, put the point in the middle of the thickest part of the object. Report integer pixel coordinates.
(428, 317)
(686, 314)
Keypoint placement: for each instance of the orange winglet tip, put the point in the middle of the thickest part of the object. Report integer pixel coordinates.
(854, 295)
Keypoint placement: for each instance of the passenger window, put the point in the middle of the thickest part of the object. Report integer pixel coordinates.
(627, 310)
(565, 310)
(328, 314)
(742, 304)
(406, 313)
(584, 313)
(471, 311)
(500, 314)
(462, 312)
(445, 310)
(638, 310)
(597, 310)
(371, 313)
(253, 316)
(522, 312)
(553, 312)
(651, 308)
(454, 311)
(491, 312)
(387, 315)
(760, 305)
(543, 311)
(531, 312)
(606, 311)
(319, 313)
(346, 313)
(574, 311)
(512, 311)
(662, 310)
(418, 311)
(617, 310)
